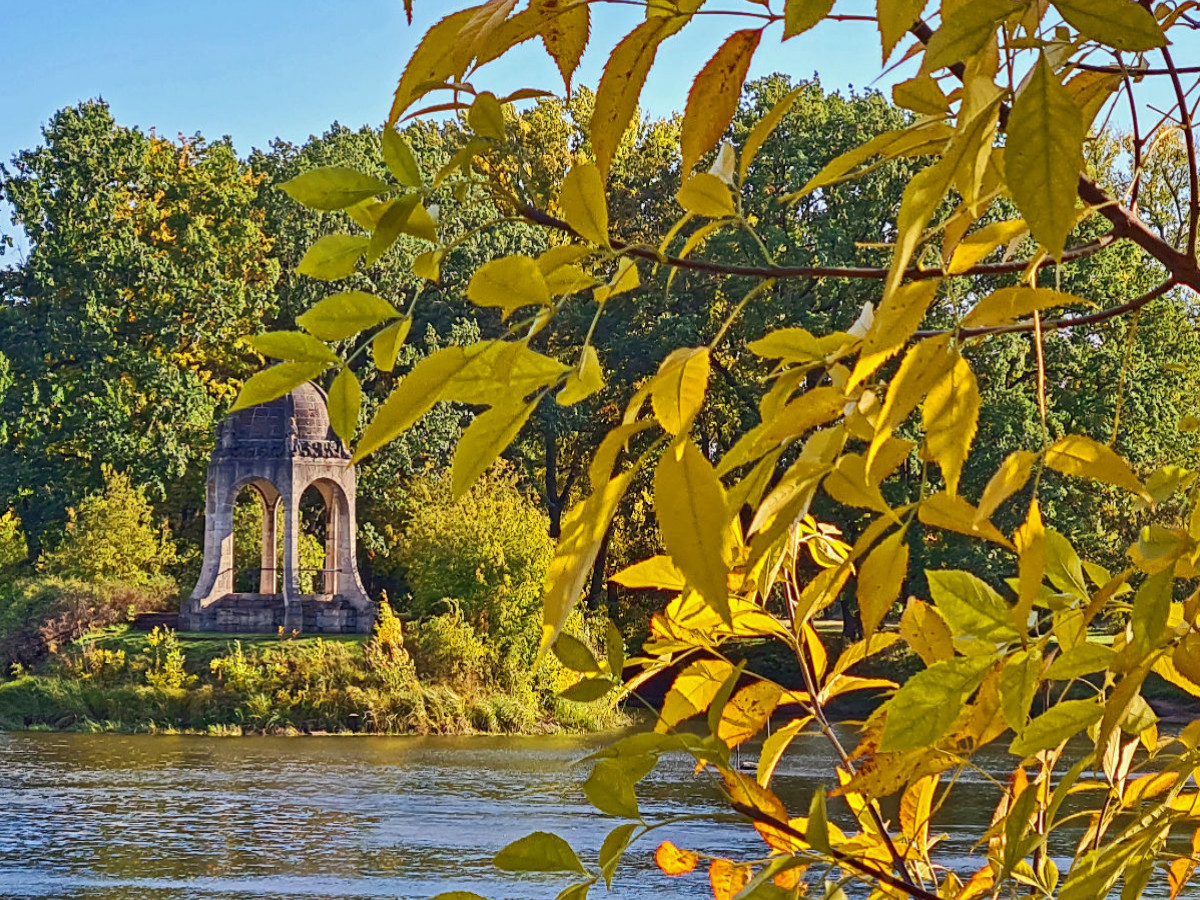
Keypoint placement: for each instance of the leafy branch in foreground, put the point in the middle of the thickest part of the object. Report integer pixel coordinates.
(1007, 102)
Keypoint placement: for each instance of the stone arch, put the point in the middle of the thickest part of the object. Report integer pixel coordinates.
(269, 506)
(338, 537)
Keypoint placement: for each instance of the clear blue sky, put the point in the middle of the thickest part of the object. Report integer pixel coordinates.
(258, 69)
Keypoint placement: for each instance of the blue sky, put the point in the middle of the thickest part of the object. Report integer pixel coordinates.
(258, 69)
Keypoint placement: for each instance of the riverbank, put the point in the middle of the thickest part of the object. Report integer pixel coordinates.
(121, 680)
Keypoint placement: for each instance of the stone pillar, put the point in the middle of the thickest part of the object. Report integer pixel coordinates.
(293, 615)
(268, 579)
(333, 529)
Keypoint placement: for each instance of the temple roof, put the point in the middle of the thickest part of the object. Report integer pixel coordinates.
(302, 414)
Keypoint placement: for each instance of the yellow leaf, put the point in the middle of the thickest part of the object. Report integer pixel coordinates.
(431, 62)
(692, 692)
(689, 503)
(486, 116)
(881, 578)
(1122, 25)
(625, 279)
(727, 878)
(509, 283)
(747, 712)
(816, 407)
(677, 391)
(400, 160)
(345, 400)
(894, 323)
(923, 367)
(1007, 480)
(774, 747)
(953, 513)
(801, 15)
(924, 629)
(706, 195)
(583, 531)
(584, 381)
(926, 137)
(951, 415)
(583, 203)
(293, 346)
(277, 381)
(1010, 304)
(333, 187)
(714, 96)
(386, 345)
(916, 809)
(657, 573)
(1031, 564)
(964, 31)
(483, 440)
(922, 95)
(765, 126)
(428, 265)
(414, 396)
(1081, 456)
(567, 279)
(979, 245)
(895, 18)
(1044, 155)
(621, 85)
(333, 256)
(343, 315)
(393, 221)
(848, 484)
(673, 861)
(565, 27)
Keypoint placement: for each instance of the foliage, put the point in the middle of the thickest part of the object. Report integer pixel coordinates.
(166, 666)
(486, 552)
(13, 548)
(1013, 205)
(112, 537)
(247, 542)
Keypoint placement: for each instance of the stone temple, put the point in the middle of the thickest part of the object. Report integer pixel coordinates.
(280, 449)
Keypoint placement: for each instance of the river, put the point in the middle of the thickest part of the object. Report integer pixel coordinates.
(164, 817)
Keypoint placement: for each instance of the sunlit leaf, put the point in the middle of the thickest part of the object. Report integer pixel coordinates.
(539, 852)
(678, 389)
(583, 203)
(881, 578)
(509, 283)
(1062, 721)
(714, 96)
(345, 400)
(488, 435)
(333, 256)
(344, 315)
(386, 345)
(277, 381)
(333, 187)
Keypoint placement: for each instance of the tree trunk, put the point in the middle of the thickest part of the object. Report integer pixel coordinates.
(596, 592)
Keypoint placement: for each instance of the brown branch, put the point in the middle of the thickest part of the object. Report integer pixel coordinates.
(1137, 71)
(916, 273)
(1059, 324)
(757, 815)
(1185, 119)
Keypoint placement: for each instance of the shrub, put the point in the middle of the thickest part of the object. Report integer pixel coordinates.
(385, 652)
(111, 537)
(166, 670)
(446, 649)
(13, 549)
(488, 551)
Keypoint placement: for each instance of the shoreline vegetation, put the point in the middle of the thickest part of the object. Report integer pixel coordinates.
(161, 682)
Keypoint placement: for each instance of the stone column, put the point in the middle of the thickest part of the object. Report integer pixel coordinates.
(333, 529)
(293, 615)
(268, 579)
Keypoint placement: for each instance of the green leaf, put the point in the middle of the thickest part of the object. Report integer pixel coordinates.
(400, 160)
(677, 391)
(393, 222)
(414, 396)
(1018, 684)
(615, 650)
(577, 891)
(801, 15)
(583, 381)
(1063, 720)
(965, 32)
(583, 203)
(1044, 155)
(539, 852)
(486, 116)
(614, 846)
(293, 346)
(817, 832)
(344, 315)
(689, 503)
(610, 790)
(706, 195)
(1118, 23)
(277, 381)
(1082, 659)
(386, 345)
(485, 439)
(345, 401)
(971, 607)
(333, 256)
(588, 690)
(1151, 609)
(333, 187)
(575, 654)
(926, 706)
(509, 283)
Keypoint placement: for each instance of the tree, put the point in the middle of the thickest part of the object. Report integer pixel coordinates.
(1002, 198)
(147, 261)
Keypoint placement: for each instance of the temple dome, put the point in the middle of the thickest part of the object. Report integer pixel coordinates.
(303, 414)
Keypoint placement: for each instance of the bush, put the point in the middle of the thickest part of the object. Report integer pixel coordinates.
(488, 551)
(446, 649)
(111, 537)
(13, 549)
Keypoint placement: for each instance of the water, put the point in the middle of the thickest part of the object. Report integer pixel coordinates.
(110, 816)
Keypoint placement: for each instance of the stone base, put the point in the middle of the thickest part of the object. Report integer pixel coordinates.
(266, 614)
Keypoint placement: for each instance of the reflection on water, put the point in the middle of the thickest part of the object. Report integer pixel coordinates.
(107, 816)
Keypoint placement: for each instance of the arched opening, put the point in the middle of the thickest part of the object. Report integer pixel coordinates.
(257, 539)
(317, 522)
